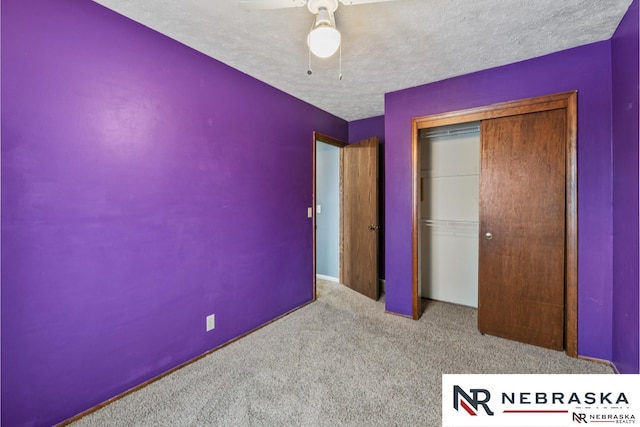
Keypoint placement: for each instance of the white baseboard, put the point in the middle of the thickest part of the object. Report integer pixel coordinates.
(329, 278)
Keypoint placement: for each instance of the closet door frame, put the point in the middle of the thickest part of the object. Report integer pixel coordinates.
(565, 100)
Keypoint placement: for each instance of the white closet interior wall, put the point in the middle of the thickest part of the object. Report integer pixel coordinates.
(449, 205)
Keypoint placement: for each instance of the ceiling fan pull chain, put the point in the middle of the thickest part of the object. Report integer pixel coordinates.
(309, 71)
(340, 61)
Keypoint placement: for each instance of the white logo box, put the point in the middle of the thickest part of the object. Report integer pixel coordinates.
(539, 400)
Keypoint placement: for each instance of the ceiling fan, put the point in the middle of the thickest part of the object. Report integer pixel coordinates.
(324, 38)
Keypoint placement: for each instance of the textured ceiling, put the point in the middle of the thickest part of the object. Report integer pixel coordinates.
(385, 46)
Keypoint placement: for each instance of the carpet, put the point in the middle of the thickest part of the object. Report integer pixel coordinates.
(340, 361)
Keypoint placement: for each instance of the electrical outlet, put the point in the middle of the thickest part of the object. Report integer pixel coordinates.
(211, 322)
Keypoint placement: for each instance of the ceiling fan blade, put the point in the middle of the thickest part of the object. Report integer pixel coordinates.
(270, 4)
(354, 2)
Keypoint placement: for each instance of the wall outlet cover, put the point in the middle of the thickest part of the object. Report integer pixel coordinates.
(211, 322)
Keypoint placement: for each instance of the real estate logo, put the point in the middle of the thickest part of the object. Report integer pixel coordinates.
(539, 400)
(604, 418)
(480, 397)
(579, 418)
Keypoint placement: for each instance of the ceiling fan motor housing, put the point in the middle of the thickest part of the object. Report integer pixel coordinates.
(316, 5)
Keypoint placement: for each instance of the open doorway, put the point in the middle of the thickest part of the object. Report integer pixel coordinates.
(327, 209)
(358, 212)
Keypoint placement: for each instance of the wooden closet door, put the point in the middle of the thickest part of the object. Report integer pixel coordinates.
(522, 228)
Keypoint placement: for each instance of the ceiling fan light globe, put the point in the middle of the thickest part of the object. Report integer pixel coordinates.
(324, 41)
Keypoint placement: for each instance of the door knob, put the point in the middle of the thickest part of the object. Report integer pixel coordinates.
(488, 236)
(373, 227)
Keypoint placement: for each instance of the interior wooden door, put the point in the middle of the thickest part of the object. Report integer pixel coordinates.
(521, 272)
(360, 217)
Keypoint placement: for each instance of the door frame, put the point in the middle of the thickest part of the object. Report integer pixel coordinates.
(319, 137)
(564, 100)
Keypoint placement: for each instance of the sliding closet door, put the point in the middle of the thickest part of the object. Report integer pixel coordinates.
(522, 228)
(449, 180)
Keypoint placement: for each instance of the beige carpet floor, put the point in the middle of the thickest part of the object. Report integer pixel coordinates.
(340, 361)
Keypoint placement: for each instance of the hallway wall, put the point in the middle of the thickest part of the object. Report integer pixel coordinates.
(328, 219)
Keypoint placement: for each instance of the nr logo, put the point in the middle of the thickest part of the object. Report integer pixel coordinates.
(479, 398)
(580, 418)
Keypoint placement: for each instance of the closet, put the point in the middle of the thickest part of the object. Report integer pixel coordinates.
(449, 164)
(495, 225)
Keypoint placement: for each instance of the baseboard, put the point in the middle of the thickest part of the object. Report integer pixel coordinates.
(328, 278)
(601, 362)
(404, 316)
(614, 367)
(170, 371)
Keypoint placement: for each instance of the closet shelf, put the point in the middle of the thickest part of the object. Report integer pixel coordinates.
(449, 223)
(455, 227)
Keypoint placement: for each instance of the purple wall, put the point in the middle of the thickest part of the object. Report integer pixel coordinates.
(363, 129)
(586, 69)
(144, 186)
(624, 46)
(366, 128)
